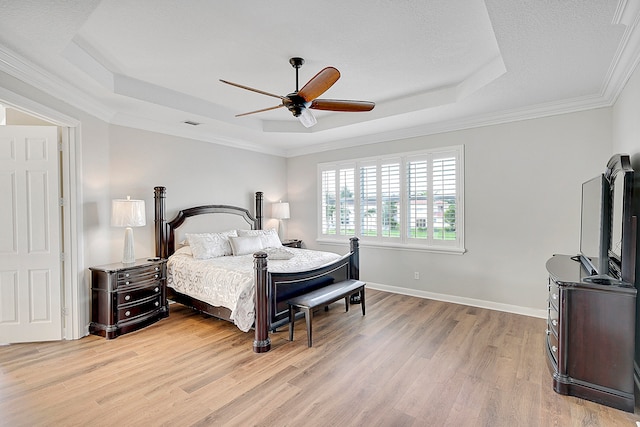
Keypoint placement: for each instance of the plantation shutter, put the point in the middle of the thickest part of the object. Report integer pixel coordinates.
(368, 201)
(444, 198)
(328, 190)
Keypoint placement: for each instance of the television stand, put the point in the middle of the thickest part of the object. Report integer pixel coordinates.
(590, 334)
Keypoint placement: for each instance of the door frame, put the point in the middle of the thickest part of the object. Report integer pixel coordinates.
(73, 321)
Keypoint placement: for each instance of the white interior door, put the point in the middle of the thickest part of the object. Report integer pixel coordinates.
(30, 246)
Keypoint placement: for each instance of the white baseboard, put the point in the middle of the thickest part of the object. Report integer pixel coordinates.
(526, 311)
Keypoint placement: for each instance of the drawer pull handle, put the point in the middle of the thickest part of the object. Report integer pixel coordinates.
(127, 313)
(127, 282)
(554, 296)
(547, 332)
(126, 275)
(157, 303)
(156, 289)
(127, 297)
(554, 348)
(156, 276)
(157, 269)
(554, 322)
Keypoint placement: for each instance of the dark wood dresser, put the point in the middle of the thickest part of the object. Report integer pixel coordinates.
(590, 335)
(127, 297)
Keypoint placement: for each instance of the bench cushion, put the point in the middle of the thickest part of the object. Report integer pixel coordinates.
(327, 294)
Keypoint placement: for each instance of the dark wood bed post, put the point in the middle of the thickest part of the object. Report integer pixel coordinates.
(159, 194)
(259, 210)
(354, 246)
(262, 342)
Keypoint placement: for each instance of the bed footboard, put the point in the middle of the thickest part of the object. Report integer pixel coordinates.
(281, 287)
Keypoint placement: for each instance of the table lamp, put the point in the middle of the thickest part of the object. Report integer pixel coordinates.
(127, 213)
(280, 211)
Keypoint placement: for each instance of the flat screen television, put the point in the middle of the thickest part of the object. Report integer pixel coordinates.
(595, 228)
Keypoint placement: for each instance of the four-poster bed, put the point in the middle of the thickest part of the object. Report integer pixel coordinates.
(272, 288)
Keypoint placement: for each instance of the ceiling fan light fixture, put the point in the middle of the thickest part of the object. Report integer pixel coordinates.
(306, 118)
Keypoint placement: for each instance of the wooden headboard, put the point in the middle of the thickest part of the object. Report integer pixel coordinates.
(165, 232)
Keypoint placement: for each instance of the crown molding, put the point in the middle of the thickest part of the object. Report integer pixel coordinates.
(627, 55)
(496, 118)
(30, 73)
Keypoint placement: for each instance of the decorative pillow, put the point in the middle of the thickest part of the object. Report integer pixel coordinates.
(245, 245)
(279, 253)
(210, 245)
(269, 237)
(185, 250)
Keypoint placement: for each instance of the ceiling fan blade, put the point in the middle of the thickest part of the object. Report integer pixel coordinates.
(260, 111)
(319, 84)
(252, 89)
(341, 105)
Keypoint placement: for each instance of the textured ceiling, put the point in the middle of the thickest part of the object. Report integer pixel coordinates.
(429, 66)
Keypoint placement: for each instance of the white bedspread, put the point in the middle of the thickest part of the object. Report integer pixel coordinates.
(228, 281)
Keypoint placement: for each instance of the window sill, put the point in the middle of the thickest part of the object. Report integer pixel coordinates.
(401, 246)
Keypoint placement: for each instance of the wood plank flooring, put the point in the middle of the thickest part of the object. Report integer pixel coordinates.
(408, 362)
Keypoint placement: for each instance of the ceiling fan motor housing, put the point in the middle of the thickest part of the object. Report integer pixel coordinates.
(294, 103)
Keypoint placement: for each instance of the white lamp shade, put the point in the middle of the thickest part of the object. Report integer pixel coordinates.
(280, 210)
(127, 213)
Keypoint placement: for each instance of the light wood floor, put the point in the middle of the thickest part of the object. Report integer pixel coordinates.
(408, 362)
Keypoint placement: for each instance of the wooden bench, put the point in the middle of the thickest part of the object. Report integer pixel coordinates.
(323, 296)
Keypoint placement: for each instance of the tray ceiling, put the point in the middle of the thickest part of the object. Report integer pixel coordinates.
(430, 66)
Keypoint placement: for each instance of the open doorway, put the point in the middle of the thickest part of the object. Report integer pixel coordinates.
(42, 217)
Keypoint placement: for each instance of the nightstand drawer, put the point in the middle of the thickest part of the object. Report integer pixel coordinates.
(138, 275)
(135, 295)
(131, 285)
(127, 312)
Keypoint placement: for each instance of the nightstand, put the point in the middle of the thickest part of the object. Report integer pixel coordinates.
(127, 297)
(292, 243)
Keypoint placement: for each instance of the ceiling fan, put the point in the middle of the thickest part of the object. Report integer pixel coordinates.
(301, 101)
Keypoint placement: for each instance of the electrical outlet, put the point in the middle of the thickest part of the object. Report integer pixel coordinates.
(416, 275)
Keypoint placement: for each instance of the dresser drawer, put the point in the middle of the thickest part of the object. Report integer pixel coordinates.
(130, 296)
(554, 296)
(127, 312)
(552, 342)
(552, 320)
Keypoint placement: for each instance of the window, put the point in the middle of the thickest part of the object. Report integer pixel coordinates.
(408, 200)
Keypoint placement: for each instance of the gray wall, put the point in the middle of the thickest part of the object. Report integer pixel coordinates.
(522, 204)
(194, 173)
(626, 139)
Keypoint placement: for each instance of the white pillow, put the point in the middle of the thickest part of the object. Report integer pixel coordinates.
(245, 245)
(210, 245)
(279, 253)
(269, 237)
